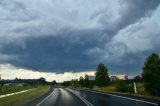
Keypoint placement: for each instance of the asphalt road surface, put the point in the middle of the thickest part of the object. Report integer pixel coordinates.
(70, 97)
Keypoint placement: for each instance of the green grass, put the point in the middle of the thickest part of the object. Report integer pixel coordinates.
(140, 89)
(23, 98)
(12, 89)
(108, 88)
(111, 88)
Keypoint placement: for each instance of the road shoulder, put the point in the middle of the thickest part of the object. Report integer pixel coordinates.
(140, 98)
(40, 98)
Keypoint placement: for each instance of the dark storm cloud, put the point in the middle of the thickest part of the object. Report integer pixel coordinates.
(53, 53)
(130, 12)
(70, 35)
(134, 10)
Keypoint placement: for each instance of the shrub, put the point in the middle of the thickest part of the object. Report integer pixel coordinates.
(122, 86)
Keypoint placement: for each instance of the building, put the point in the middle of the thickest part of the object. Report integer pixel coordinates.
(91, 78)
(113, 78)
(122, 76)
(9, 82)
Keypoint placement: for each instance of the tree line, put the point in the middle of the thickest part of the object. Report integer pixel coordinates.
(150, 77)
(35, 82)
(101, 79)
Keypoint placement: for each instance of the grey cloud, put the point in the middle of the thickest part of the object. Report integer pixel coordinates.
(12, 5)
(69, 35)
(14, 11)
(129, 12)
(134, 10)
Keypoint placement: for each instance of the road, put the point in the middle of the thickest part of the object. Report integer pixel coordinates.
(70, 97)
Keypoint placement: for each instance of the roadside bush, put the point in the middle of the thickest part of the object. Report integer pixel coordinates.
(122, 86)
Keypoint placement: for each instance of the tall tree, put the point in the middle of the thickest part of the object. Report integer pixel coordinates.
(102, 77)
(81, 82)
(42, 81)
(151, 74)
(53, 82)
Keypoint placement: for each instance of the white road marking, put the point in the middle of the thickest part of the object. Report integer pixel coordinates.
(55, 90)
(124, 97)
(80, 97)
(2, 96)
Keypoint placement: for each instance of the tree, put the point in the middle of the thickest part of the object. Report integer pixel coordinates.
(53, 82)
(74, 82)
(151, 74)
(66, 83)
(102, 77)
(81, 81)
(85, 82)
(42, 80)
(137, 77)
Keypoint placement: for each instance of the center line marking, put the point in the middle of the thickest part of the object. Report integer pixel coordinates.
(80, 97)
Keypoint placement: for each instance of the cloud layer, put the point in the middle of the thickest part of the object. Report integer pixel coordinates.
(59, 35)
(10, 72)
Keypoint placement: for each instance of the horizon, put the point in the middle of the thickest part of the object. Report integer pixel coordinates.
(49, 76)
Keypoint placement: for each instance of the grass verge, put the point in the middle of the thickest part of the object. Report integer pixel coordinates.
(140, 88)
(11, 89)
(112, 89)
(23, 98)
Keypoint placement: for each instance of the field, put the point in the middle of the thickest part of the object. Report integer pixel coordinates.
(23, 98)
(12, 89)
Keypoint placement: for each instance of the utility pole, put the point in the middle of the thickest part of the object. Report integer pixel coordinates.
(135, 87)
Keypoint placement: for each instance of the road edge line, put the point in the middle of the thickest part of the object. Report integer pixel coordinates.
(53, 92)
(15, 93)
(123, 97)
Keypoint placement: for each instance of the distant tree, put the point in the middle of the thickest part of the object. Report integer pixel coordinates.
(151, 74)
(102, 77)
(81, 82)
(88, 83)
(137, 77)
(74, 82)
(0, 88)
(42, 80)
(66, 83)
(53, 82)
(16, 78)
(85, 82)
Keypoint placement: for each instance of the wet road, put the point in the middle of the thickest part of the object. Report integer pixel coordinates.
(70, 97)
(61, 97)
(104, 99)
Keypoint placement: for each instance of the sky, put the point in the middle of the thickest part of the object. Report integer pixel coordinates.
(67, 39)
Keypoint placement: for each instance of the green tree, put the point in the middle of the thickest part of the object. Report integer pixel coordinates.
(81, 82)
(85, 82)
(53, 82)
(102, 77)
(74, 82)
(88, 83)
(42, 81)
(151, 74)
(66, 83)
